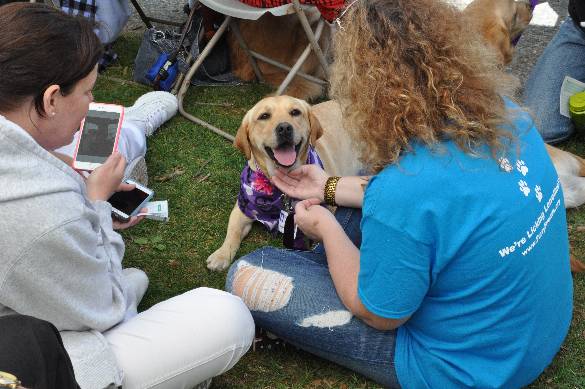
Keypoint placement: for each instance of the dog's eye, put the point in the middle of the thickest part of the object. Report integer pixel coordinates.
(295, 112)
(264, 116)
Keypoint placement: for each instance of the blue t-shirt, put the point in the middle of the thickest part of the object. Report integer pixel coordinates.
(476, 251)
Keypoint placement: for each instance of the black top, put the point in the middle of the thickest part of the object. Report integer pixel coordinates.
(577, 10)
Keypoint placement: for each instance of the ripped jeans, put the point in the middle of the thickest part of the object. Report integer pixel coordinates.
(291, 294)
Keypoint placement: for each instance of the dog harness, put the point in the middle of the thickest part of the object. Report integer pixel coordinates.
(260, 200)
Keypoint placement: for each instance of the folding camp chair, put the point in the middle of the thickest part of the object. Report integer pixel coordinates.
(233, 9)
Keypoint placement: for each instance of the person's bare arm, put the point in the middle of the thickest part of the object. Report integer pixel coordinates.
(350, 191)
(343, 258)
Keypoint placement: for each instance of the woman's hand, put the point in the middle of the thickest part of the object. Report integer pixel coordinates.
(313, 219)
(106, 179)
(118, 225)
(305, 182)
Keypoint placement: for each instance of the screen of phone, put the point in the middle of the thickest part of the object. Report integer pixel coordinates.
(98, 136)
(127, 202)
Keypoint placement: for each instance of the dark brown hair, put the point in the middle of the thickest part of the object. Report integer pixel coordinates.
(41, 46)
(407, 70)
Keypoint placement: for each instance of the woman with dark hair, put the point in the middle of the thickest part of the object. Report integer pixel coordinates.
(61, 258)
(451, 268)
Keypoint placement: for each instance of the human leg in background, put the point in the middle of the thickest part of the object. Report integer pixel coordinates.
(291, 294)
(141, 120)
(32, 350)
(563, 56)
(110, 16)
(182, 341)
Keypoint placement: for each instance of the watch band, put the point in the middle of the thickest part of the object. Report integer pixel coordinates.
(329, 192)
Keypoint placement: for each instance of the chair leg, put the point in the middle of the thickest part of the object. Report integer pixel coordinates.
(312, 39)
(147, 20)
(187, 81)
(300, 61)
(141, 13)
(244, 46)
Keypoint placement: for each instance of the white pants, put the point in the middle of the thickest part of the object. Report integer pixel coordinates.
(182, 341)
(131, 143)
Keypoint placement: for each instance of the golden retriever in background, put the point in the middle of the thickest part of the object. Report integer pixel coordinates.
(282, 39)
(276, 133)
(500, 22)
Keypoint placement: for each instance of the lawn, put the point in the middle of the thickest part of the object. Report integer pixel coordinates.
(200, 198)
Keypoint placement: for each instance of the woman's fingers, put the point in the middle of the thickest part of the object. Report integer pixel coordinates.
(312, 201)
(116, 163)
(125, 187)
(285, 182)
(305, 205)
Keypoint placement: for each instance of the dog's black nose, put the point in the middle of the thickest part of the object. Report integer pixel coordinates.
(284, 131)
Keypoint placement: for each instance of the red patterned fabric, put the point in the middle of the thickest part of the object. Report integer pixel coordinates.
(328, 8)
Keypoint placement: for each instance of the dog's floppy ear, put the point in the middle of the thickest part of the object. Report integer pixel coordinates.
(242, 142)
(316, 129)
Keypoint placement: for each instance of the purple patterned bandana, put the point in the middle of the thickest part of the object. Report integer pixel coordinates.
(259, 199)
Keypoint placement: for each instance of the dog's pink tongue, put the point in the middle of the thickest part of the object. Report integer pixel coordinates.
(285, 156)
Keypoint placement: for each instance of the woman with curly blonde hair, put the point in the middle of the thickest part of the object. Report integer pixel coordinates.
(455, 273)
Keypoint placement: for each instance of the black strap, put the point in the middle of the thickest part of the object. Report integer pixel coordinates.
(163, 72)
(288, 238)
(186, 29)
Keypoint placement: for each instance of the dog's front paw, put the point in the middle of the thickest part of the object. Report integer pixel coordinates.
(219, 260)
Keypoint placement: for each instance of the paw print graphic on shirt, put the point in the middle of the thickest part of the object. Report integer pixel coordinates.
(524, 187)
(538, 193)
(521, 167)
(505, 165)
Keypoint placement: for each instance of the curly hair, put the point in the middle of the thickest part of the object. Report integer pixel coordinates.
(407, 70)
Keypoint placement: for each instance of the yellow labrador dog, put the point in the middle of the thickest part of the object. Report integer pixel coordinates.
(281, 132)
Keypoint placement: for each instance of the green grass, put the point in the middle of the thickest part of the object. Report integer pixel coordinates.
(173, 254)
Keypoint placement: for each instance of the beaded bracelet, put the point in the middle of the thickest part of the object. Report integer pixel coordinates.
(329, 192)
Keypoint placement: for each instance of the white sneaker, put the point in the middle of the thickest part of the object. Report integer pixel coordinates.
(151, 110)
(137, 170)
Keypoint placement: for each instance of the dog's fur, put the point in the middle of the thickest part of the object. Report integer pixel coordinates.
(500, 22)
(259, 131)
(282, 39)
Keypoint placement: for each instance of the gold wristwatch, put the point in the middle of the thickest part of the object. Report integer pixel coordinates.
(8, 381)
